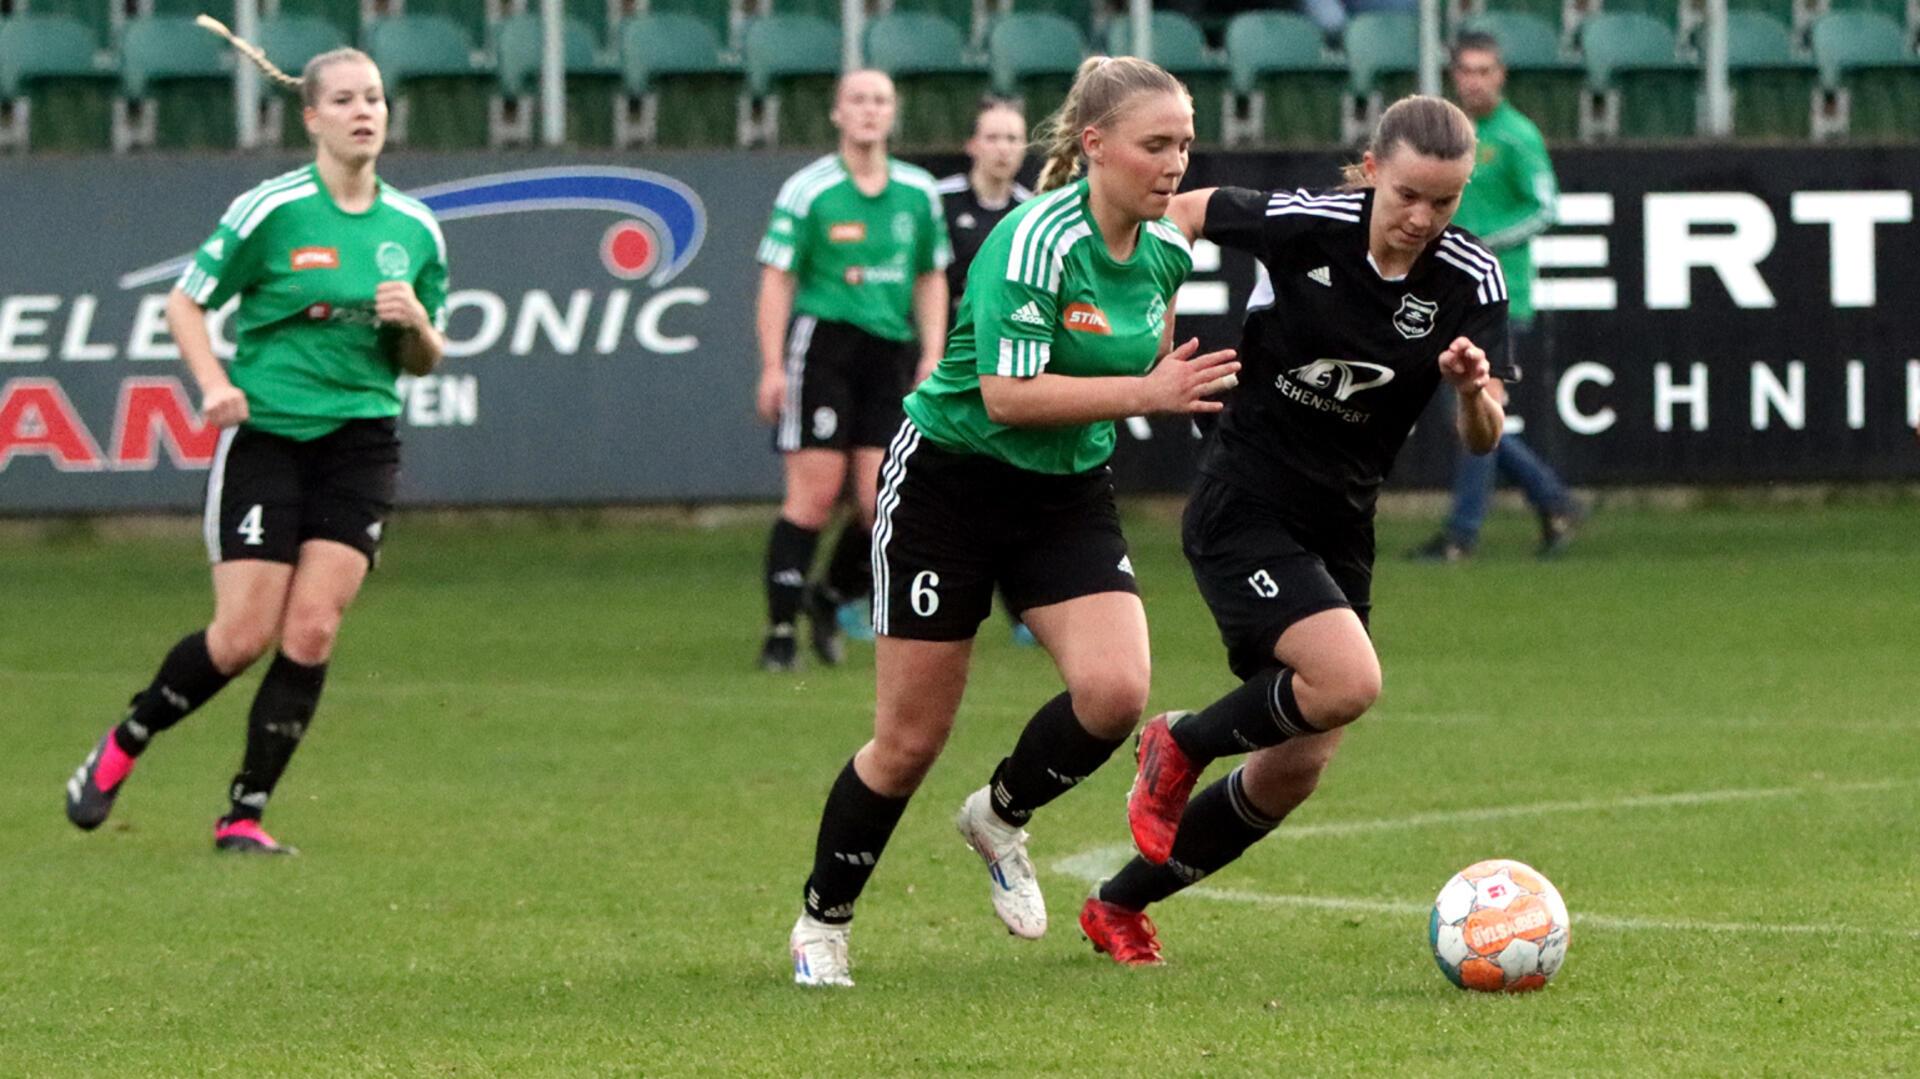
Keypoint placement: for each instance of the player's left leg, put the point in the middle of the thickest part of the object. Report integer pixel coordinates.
(848, 580)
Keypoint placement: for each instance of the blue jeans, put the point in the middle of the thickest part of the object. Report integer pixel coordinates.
(1473, 476)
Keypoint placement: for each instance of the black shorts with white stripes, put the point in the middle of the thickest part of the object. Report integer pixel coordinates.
(844, 386)
(952, 526)
(266, 495)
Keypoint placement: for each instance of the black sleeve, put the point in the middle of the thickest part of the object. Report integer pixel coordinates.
(1237, 218)
(1486, 326)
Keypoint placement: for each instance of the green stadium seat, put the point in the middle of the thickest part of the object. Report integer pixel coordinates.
(1782, 10)
(219, 9)
(1864, 58)
(592, 79)
(1083, 14)
(438, 89)
(470, 15)
(1383, 57)
(1542, 84)
(1773, 90)
(1560, 13)
(1896, 10)
(1669, 12)
(95, 15)
(603, 17)
(828, 10)
(965, 14)
(1033, 58)
(1180, 47)
(1279, 63)
(939, 86)
(176, 86)
(1631, 66)
(344, 14)
(719, 14)
(58, 85)
(688, 94)
(290, 41)
(792, 62)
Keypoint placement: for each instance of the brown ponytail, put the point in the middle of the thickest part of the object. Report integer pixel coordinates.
(1101, 86)
(307, 85)
(1429, 126)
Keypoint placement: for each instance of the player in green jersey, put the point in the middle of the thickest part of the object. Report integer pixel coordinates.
(999, 477)
(342, 283)
(851, 275)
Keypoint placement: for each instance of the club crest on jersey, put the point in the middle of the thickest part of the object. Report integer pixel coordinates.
(1086, 318)
(903, 228)
(393, 260)
(1414, 320)
(1342, 378)
(314, 258)
(1156, 311)
(846, 232)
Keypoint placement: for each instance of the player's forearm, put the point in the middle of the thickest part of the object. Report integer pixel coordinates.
(421, 350)
(771, 312)
(1061, 400)
(187, 321)
(1480, 419)
(930, 316)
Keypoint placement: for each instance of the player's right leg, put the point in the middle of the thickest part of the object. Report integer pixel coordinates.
(813, 479)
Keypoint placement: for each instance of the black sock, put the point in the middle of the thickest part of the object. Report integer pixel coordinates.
(854, 829)
(186, 680)
(850, 570)
(1218, 826)
(1053, 755)
(789, 556)
(282, 708)
(1261, 713)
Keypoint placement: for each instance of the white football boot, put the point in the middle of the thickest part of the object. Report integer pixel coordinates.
(1016, 891)
(820, 952)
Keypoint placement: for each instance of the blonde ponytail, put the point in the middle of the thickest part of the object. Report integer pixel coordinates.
(306, 85)
(1100, 87)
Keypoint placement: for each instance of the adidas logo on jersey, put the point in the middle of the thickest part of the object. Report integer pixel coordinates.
(1321, 276)
(1126, 565)
(1029, 314)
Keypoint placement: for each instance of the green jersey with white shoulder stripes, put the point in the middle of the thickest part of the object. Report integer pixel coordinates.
(309, 353)
(855, 255)
(1045, 296)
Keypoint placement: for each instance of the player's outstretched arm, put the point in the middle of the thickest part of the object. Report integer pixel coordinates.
(1189, 212)
(1480, 416)
(1179, 383)
(221, 402)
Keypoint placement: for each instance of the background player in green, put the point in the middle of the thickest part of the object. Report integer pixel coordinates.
(1510, 200)
(999, 477)
(342, 283)
(851, 274)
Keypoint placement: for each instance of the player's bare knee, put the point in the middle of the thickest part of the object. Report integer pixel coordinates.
(1110, 704)
(309, 635)
(234, 645)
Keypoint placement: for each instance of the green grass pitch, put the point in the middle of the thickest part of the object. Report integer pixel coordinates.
(555, 823)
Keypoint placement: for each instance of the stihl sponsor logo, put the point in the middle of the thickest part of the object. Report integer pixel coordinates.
(847, 232)
(1086, 318)
(316, 258)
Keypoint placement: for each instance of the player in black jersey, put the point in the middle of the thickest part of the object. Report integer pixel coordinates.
(1375, 299)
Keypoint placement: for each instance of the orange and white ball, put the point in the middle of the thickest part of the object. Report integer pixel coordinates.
(1499, 926)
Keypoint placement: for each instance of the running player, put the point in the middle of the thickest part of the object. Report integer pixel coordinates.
(999, 476)
(851, 274)
(1375, 299)
(342, 284)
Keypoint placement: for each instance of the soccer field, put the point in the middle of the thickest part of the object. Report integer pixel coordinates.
(555, 823)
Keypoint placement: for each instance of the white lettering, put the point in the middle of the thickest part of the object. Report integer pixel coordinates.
(1674, 249)
(1850, 217)
(1666, 394)
(1578, 252)
(19, 318)
(1584, 423)
(493, 322)
(1856, 395)
(538, 314)
(150, 338)
(223, 345)
(1769, 396)
(441, 400)
(74, 345)
(1203, 298)
(1206, 256)
(646, 325)
(612, 320)
(1913, 393)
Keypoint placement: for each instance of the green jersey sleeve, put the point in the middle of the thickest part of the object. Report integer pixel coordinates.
(782, 248)
(935, 249)
(1013, 312)
(221, 268)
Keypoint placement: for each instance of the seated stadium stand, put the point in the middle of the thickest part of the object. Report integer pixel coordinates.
(1180, 47)
(176, 87)
(187, 9)
(1544, 85)
(726, 17)
(476, 18)
(1869, 74)
(1774, 91)
(939, 85)
(56, 85)
(1383, 54)
(681, 92)
(593, 83)
(1637, 88)
(290, 41)
(345, 15)
(969, 15)
(437, 87)
(95, 15)
(792, 62)
(1292, 89)
(1033, 58)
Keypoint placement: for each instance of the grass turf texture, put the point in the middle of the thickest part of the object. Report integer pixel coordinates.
(554, 823)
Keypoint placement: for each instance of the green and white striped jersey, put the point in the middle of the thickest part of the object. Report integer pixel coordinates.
(310, 354)
(1045, 296)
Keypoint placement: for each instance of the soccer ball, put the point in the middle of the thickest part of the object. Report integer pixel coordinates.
(1499, 926)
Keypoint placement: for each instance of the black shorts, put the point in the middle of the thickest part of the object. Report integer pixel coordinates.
(1261, 571)
(266, 495)
(951, 526)
(844, 387)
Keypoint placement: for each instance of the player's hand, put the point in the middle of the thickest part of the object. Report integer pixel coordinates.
(394, 304)
(1464, 366)
(925, 370)
(771, 394)
(1181, 382)
(224, 406)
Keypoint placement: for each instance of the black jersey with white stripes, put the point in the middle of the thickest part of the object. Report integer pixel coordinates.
(1338, 361)
(968, 222)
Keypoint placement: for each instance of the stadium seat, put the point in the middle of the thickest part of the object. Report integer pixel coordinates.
(682, 93)
(176, 87)
(187, 9)
(1279, 64)
(1639, 89)
(1179, 47)
(1542, 84)
(57, 85)
(438, 88)
(290, 41)
(791, 63)
(95, 15)
(938, 85)
(1383, 54)
(593, 82)
(343, 14)
(474, 17)
(1033, 58)
(1773, 90)
(1085, 15)
(966, 14)
(1874, 77)
(828, 10)
(1897, 10)
(722, 15)
(1671, 12)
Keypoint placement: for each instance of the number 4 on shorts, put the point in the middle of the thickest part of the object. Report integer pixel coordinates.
(251, 527)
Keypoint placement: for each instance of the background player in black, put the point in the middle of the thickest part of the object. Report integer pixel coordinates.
(1375, 300)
